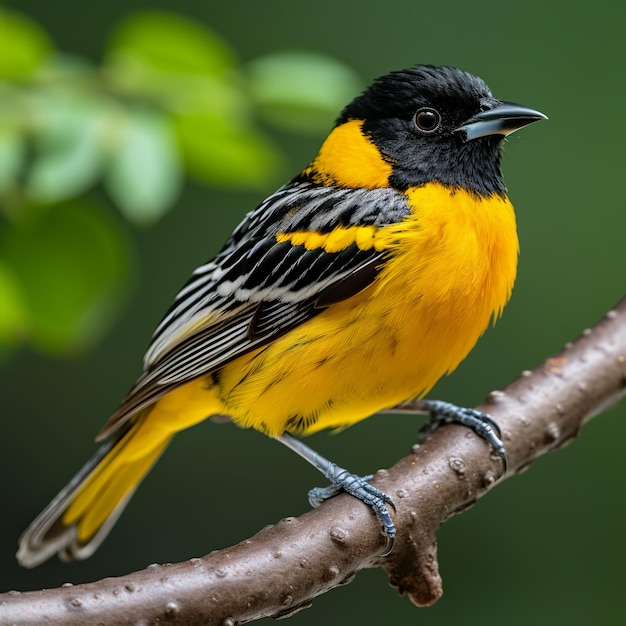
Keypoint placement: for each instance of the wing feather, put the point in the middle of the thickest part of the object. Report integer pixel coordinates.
(258, 287)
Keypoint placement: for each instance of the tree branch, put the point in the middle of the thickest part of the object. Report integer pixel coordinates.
(283, 567)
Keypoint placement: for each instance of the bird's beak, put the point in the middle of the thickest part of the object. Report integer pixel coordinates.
(501, 118)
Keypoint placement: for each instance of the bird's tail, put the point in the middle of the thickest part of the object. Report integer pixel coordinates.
(76, 522)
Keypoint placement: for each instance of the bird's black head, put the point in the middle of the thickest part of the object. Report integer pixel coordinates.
(438, 124)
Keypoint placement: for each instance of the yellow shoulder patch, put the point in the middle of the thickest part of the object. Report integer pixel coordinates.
(336, 240)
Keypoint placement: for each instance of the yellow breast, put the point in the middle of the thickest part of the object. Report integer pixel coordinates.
(451, 268)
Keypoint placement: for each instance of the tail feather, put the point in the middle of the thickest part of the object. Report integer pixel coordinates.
(78, 519)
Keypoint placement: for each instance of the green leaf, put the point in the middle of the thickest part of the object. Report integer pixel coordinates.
(23, 45)
(69, 147)
(301, 91)
(226, 154)
(170, 43)
(145, 173)
(71, 265)
(11, 156)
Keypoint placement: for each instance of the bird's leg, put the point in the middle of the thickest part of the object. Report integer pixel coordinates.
(447, 413)
(342, 480)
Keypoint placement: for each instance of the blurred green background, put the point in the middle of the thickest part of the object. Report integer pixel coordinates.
(247, 106)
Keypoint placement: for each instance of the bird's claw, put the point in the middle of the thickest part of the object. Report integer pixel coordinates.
(481, 423)
(360, 488)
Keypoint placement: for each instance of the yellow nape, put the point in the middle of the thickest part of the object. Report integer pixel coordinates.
(349, 159)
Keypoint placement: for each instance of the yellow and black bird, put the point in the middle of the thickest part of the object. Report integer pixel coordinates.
(352, 288)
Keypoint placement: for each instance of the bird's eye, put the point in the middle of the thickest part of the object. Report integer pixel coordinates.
(427, 120)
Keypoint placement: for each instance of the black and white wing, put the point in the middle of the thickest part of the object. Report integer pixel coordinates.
(259, 287)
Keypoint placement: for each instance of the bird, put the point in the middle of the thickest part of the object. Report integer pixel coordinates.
(353, 288)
